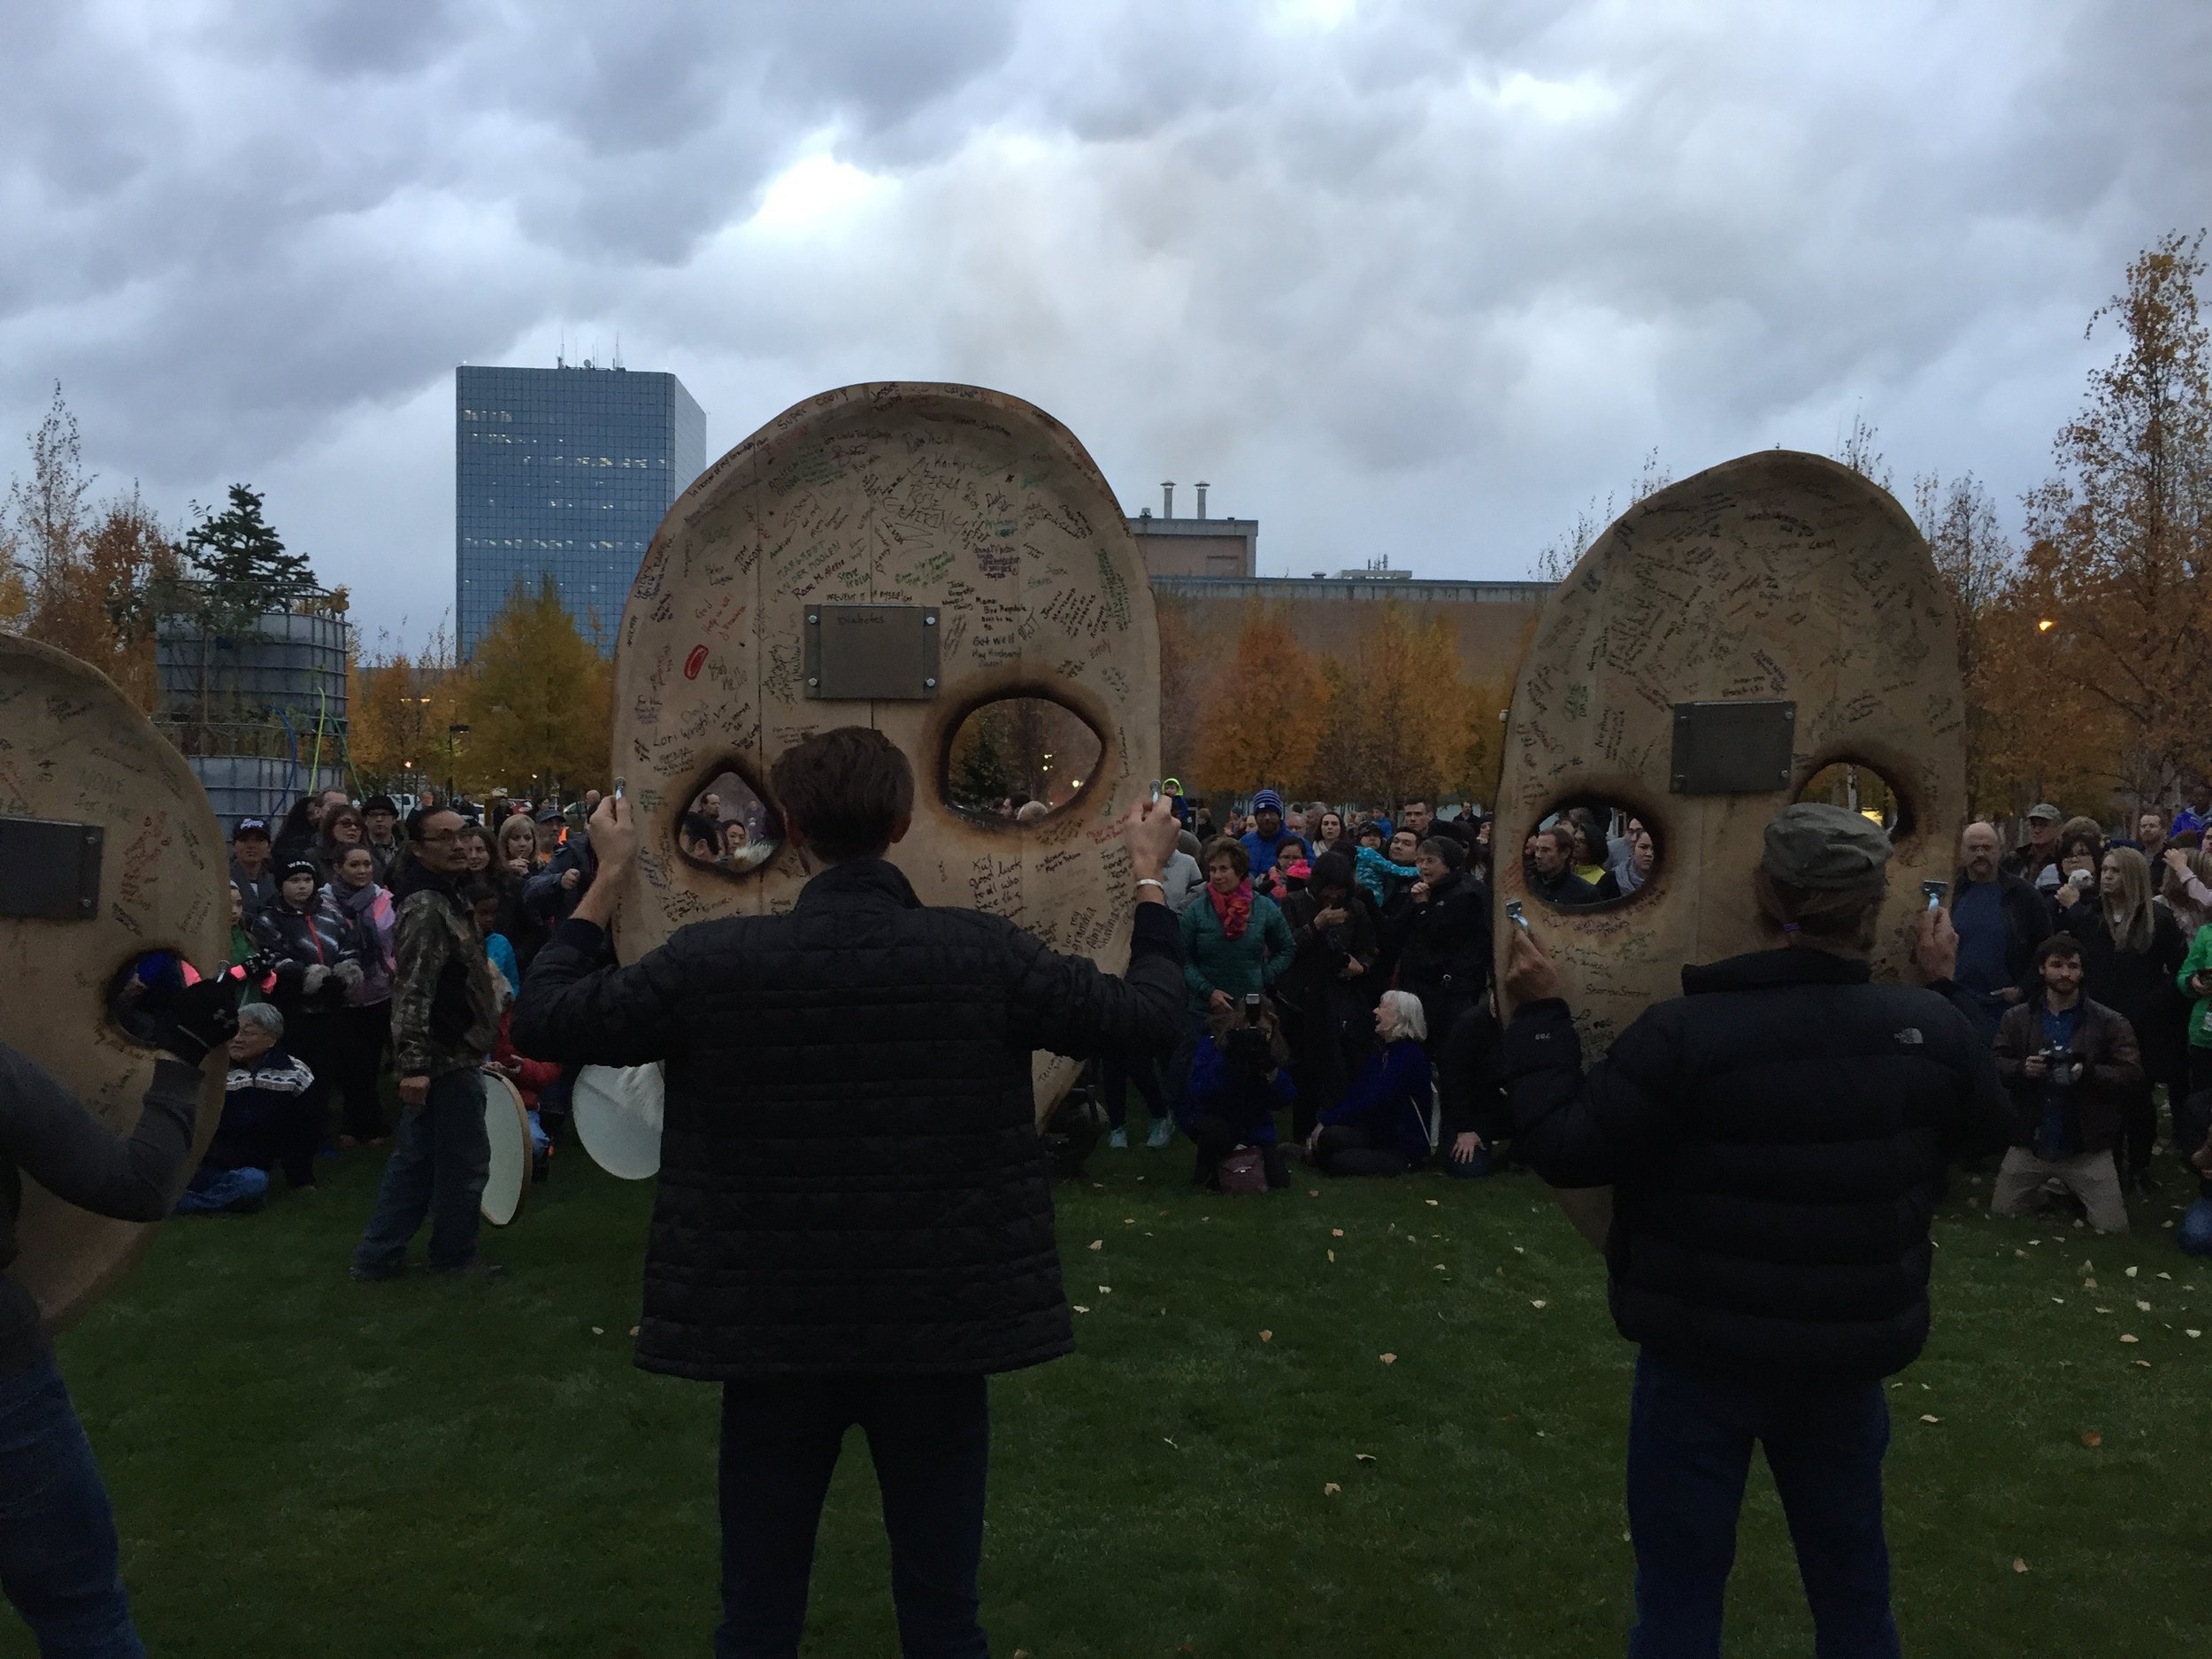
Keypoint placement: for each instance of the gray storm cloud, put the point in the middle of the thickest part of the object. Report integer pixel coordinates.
(1406, 279)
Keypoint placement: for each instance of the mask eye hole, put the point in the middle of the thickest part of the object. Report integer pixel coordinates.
(1592, 854)
(1020, 759)
(727, 826)
(1859, 786)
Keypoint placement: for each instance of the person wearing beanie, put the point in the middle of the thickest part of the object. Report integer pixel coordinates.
(1268, 832)
(1775, 1139)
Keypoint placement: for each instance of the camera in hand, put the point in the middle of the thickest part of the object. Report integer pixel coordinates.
(2064, 1069)
(1247, 1045)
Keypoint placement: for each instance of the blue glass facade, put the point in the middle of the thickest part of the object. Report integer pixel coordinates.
(566, 471)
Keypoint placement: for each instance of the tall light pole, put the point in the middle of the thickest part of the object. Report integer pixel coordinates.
(452, 732)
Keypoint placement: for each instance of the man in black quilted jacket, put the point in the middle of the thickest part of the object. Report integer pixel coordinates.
(854, 1223)
(1776, 1139)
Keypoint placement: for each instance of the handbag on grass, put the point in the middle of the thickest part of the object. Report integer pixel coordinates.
(1243, 1171)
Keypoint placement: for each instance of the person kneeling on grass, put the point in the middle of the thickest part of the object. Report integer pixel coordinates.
(2071, 1065)
(1381, 1127)
(1239, 1078)
(269, 1121)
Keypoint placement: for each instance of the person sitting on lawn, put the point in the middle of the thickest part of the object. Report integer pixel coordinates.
(1381, 1127)
(1239, 1079)
(268, 1120)
(2071, 1065)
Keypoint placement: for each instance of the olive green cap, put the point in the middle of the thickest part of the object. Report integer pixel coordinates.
(1824, 848)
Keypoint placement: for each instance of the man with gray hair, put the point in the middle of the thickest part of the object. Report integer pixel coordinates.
(1775, 1139)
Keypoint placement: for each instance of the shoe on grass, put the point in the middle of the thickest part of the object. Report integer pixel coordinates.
(473, 1270)
(1118, 1140)
(1163, 1132)
(378, 1275)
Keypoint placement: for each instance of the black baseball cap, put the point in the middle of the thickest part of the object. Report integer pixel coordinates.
(250, 826)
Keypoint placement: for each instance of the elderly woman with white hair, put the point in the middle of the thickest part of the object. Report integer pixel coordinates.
(1382, 1125)
(272, 1120)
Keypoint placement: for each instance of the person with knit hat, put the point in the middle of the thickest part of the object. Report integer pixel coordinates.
(1775, 1139)
(1268, 832)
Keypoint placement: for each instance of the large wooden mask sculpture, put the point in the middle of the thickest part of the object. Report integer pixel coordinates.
(1725, 640)
(111, 853)
(900, 556)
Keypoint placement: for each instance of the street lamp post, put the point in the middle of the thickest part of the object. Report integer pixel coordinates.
(452, 732)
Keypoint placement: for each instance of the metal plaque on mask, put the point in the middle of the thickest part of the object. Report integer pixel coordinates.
(1776, 579)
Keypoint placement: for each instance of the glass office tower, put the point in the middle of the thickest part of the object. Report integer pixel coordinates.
(564, 471)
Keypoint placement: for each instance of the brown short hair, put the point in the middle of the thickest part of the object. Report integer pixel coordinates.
(848, 789)
(1227, 847)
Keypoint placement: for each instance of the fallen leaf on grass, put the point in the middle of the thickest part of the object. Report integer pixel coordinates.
(1517, 1250)
(1313, 1192)
(2061, 1301)
(599, 1330)
(2189, 1333)
(2090, 1437)
(1925, 1417)
(2089, 1284)
(1105, 1290)
(1098, 1244)
(2127, 1339)
(1390, 1359)
(2145, 1364)
(2018, 1565)
(1171, 1442)
(1329, 1489)
(1079, 1308)
(1431, 1203)
(1336, 1232)
(633, 1330)
(2132, 1272)
(1363, 1458)
(1267, 1336)
(1333, 1256)
(1538, 1302)
(2142, 1307)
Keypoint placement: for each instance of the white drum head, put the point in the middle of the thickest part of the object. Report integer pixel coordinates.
(507, 1125)
(618, 1115)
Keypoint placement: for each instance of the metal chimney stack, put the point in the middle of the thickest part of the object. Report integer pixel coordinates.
(1167, 499)
(1201, 498)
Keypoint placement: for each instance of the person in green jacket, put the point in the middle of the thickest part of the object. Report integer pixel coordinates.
(2192, 1118)
(1234, 942)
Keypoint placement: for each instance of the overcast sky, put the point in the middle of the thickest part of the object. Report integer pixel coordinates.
(1396, 278)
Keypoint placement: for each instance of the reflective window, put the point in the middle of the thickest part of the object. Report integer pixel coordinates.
(728, 827)
(1019, 755)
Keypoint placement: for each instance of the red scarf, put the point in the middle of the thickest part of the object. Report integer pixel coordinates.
(1233, 911)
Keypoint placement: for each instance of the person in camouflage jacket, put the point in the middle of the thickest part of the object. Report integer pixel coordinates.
(444, 1023)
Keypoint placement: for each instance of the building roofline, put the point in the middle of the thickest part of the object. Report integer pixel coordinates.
(1352, 588)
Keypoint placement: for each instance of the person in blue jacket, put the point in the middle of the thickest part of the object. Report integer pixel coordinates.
(1267, 835)
(1381, 1125)
(1239, 1080)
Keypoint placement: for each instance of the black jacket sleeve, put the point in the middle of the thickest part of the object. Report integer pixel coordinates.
(73, 1155)
(1987, 1119)
(1578, 1131)
(1066, 1005)
(1473, 1101)
(577, 1012)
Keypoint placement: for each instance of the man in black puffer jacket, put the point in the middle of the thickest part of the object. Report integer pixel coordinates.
(854, 1222)
(1777, 1140)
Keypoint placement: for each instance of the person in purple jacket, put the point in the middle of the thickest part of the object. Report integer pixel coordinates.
(1381, 1125)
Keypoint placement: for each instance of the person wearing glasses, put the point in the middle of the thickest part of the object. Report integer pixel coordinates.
(444, 1022)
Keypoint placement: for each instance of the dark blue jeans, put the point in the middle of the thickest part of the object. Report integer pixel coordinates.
(1690, 1437)
(441, 1158)
(57, 1553)
(931, 1439)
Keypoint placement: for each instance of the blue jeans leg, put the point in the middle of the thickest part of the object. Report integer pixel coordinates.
(1825, 1448)
(440, 1158)
(461, 1163)
(58, 1562)
(1689, 1453)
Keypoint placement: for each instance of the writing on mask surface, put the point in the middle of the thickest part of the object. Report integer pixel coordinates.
(985, 516)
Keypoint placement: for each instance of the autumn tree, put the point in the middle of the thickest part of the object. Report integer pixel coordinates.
(84, 576)
(1399, 721)
(2120, 538)
(537, 698)
(1978, 566)
(1260, 719)
(1185, 673)
(399, 708)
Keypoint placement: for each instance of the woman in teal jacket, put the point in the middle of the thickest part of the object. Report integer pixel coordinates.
(1235, 941)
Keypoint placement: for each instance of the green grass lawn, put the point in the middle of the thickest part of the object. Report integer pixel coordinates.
(302, 1465)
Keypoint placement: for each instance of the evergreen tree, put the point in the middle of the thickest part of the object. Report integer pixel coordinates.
(243, 563)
